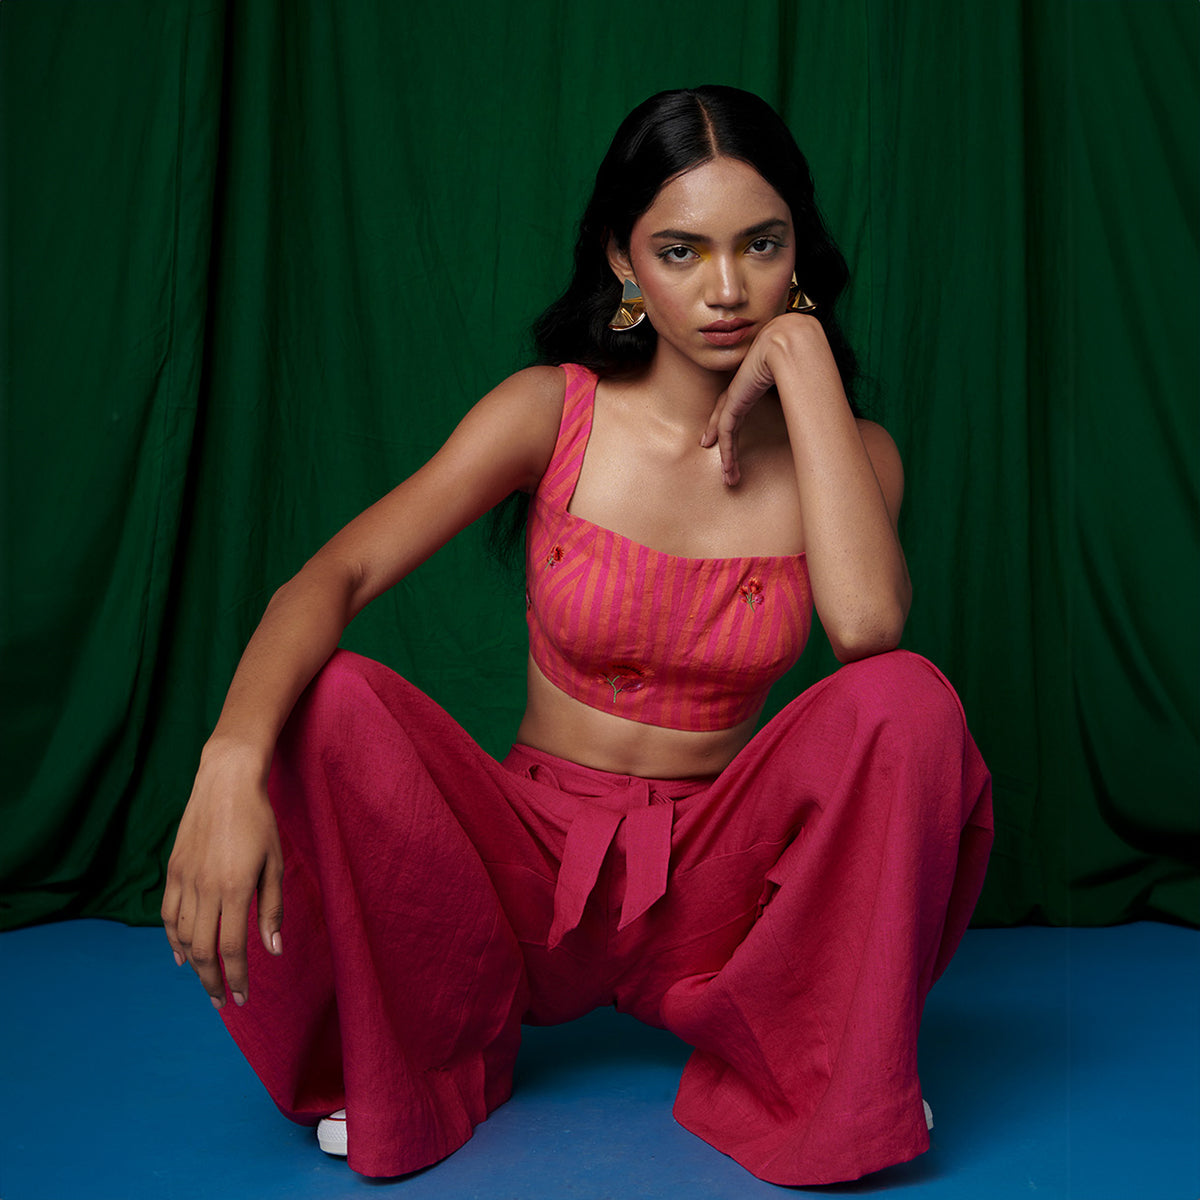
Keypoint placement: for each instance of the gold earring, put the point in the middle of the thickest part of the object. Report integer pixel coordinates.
(797, 301)
(632, 309)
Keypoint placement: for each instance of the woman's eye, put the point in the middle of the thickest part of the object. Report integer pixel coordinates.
(677, 253)
(764, 245)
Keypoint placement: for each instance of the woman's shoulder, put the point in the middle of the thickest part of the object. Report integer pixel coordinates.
(531, 398)
(536, 387)
(518, 422)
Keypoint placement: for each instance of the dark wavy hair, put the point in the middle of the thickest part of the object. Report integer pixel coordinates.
(664, 136)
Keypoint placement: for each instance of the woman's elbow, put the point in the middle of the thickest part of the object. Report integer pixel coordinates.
(873, 631)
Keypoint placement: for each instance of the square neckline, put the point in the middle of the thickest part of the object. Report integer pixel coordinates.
(572, 483)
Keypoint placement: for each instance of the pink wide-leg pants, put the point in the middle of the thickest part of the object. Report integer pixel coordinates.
(786, 918)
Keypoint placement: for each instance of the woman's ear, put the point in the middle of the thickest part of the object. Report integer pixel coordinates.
(618, 260)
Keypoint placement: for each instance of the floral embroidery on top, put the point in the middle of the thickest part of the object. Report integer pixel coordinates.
(751, 591)
(624, 677)
(555, 556)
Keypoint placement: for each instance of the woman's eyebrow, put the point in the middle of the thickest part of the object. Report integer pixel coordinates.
(682, 235)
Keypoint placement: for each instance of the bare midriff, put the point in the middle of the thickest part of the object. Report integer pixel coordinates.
(565, 727)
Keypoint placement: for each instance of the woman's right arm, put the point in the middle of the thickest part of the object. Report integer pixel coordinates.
(227, 848)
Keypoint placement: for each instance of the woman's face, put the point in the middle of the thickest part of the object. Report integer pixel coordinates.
(713, 256)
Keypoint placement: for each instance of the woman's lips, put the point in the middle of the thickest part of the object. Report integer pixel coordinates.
(726, 333)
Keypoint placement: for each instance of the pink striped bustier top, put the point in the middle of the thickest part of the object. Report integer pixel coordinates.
(685, 643)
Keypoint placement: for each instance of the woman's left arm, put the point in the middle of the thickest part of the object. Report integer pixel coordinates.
(850, 482)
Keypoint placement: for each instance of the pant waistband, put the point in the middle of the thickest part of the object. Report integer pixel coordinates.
(644, 806)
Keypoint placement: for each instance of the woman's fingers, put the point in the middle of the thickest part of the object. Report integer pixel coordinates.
(270, 901)
(227, 850)
(727, 441)
(170, 919)
(235, 914)
(206, 927)
(201, 940)
(721, 431)
(751, 382)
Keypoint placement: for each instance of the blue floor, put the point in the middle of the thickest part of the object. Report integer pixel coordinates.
(1060, 1063)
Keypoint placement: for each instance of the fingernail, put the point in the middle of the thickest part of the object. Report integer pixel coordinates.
(239, 998)
(276, 944)
(178, 959)
(217, 1002)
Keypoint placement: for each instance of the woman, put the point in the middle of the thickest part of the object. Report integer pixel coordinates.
(782, 902)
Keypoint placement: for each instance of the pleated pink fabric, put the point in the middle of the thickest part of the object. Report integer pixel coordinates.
(685, 643)
(786, 918)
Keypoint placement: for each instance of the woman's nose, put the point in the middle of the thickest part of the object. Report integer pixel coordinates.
(725, 285)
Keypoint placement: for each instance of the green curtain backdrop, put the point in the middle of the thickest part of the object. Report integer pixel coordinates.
(260, 257)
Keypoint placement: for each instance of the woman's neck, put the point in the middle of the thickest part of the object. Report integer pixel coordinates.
(678, 390)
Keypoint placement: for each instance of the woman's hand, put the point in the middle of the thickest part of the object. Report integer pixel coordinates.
(227, 849)
(785, 341)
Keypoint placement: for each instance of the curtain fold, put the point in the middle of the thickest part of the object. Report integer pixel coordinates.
(109, 146)
(259, 257)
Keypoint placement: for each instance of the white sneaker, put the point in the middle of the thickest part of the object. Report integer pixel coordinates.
(924, 1104)
(331, 1133)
